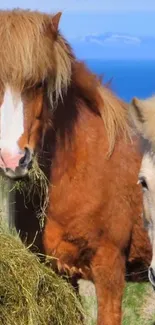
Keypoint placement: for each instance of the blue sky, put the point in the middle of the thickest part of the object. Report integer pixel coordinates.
(82, 17)
(84, 5)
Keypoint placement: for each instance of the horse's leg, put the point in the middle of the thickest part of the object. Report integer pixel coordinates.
(108, 268)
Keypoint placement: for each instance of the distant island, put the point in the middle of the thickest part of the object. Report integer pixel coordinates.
(114, 46)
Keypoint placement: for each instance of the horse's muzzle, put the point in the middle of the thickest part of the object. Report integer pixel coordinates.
(18, 166)
(151, 275)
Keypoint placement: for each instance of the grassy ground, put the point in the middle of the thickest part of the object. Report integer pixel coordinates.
(138, 303)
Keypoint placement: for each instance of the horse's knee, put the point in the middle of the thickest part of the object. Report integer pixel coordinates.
(109, 264)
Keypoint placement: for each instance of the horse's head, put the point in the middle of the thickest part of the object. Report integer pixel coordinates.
(143, 115)
(20, 126)
(35, 68)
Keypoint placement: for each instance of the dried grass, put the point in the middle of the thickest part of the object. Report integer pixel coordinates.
(30, 292)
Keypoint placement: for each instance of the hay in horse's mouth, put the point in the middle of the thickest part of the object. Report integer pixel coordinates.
(36, 184)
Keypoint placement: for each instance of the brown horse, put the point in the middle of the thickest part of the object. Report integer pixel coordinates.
(52, 106)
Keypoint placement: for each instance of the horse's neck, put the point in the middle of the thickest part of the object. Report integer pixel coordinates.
(77, 148)
(7, 203)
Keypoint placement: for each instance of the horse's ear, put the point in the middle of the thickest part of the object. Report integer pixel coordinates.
(136, 111)
(56, 20)
(143, 116)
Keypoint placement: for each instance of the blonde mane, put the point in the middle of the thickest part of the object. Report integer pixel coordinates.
(29, 51)
(115, 115)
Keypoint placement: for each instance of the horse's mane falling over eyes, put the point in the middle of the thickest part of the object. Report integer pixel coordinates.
(32, 51)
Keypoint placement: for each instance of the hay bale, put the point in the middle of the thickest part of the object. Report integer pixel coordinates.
(30, 292)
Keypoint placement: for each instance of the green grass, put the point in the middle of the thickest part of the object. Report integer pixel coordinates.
(138, 304)
(135, 304)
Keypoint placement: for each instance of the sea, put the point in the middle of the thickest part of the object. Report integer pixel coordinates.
(127, 78)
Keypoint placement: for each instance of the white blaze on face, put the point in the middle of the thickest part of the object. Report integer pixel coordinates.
(11, 121)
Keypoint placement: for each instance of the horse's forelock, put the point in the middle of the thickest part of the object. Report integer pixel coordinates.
(31, 51)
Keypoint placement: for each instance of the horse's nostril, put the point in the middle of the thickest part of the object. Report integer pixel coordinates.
(26, 159)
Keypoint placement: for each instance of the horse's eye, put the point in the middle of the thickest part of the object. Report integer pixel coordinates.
(39, 85)
(143, 183)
